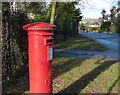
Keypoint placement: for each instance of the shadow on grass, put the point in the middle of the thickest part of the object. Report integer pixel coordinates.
(82, 82)
(111, 88)
(65, 67)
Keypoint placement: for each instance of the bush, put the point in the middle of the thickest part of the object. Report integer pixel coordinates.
(93, 28)
(82, 26)
(106, 26)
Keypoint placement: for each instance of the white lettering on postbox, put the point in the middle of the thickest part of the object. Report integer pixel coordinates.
(50, 55)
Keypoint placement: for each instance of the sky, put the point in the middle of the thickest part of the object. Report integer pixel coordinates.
(94, 7)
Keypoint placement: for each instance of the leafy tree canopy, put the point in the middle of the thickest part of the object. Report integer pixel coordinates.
(35, 7)
(66, 10)
(5, 6)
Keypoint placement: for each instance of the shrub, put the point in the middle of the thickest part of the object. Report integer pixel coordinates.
(82, 26)
(106, 26)
(93, 28)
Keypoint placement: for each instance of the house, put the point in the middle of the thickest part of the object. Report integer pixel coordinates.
(99, 21)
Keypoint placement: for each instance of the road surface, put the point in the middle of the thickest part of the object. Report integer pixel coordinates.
(110, 41)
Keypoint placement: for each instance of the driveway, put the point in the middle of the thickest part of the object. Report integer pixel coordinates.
(110, 41)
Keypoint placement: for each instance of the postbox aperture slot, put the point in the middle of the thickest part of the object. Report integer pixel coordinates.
(49, 41)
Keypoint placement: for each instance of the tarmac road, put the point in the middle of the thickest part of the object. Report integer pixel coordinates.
(110, 41)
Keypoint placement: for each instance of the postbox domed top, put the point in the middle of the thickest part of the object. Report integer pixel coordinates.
(39, 26)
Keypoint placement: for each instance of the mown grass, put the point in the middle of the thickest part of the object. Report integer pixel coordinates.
(71, 75)
(85, 76)
(80, 43)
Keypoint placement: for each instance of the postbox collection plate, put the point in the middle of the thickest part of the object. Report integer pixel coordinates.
(50, 53)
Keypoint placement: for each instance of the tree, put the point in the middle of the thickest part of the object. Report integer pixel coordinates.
(5, 6)
(53, 13)
(14, 17)
(35, 7)
(113, 14)
(37, 12)
(115, 18)
(66, 10)
(118, 18)
(103, 14)
(118, 4)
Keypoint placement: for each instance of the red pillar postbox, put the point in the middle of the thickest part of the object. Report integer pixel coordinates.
(40, 43)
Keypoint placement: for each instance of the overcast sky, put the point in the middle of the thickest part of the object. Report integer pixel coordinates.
(94, 8)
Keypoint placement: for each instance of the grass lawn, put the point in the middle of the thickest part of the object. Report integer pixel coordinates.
(80, 43)
(72, 75)
(85, 76)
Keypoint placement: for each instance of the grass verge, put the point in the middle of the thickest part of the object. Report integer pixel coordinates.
(85, 76)
(72, 75)
(80, 43)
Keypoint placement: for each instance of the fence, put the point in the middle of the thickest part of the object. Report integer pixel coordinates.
(65, 29)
